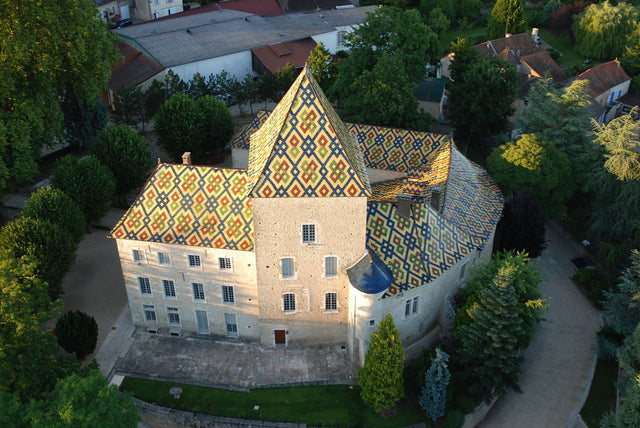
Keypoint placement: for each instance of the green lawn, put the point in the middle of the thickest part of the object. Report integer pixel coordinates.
(602, 396)
(563, 44)
(333, 405)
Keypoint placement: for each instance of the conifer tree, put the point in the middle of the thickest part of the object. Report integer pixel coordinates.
(381, 376)
(622, 307)
(434, 392)
(77, 332)
(322, 66)
(507, 16)
(489, 353)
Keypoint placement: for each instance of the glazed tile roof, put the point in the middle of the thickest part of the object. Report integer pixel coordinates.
(192, 205)
(304, 150)
(383, 148)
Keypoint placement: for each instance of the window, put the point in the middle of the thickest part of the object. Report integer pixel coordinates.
(194, 260)
(407, 308)
(341, 37)
(411, 307)
(330, 266)
(174, 316)
(232, 327)
(224, 263)
(163, 259)
(227, 294)
(331, 301)
(138, 256)
(308, 233)
(169, 288)
(289, 302)
(287, 267)
(145, 286)
(372, 322)
(414, 309)
(198, 291)
(149, 313)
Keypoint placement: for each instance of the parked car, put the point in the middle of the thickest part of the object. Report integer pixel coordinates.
(119, 23)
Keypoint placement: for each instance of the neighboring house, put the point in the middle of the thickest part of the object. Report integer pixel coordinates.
(210, 42)
(261, 8)
(299, 248)
(134, 69)
(522, 50)
(607, 83)
(431, 95)
(153, 9)
(110, 10)
(272, 58)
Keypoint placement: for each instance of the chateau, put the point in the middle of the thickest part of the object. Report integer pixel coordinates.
(328, 227)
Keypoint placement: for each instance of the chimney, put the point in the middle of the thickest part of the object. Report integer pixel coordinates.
(507, 35)
(186, 158)
(404, 205)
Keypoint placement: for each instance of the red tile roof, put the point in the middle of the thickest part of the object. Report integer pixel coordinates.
(134, 69)
(521, 44)
(275, 57)
(604, 76)
(541, 63)
(257, 7)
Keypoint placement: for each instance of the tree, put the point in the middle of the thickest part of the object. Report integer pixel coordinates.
(620, 139)
(601, 30)
(30, 363)
(87, 182)
(622, 306)
(383, 96)
(630, 58)
(533, 165)
(322, 66)
(126, 154)
(488, 351)
(131, 108)
(549, 8)
(522, 226)
(82, 122)
(381, 376)
(51, 247)
(560, 21)
(446, 6)
(467, 10)
(524, 280)
(83, 400)
(433, 396)
(398, 33)
(54, 206)
(481, 97)
(48, 64)
(507, 16)
(205, 126)
(437, 20)
(561, 117)
(77, 332)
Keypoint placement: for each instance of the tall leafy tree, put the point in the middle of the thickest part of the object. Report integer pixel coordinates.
(86, 181)
(126, 154)
(622, 306)
(620, 139)
(522, 226)
(481, 95)
(488, 351)
(49, 51)
(51, 247)
(433, 396)
(322, 66)
(30, 363)
(131, 108)
(534, 165)
(381, 376)
(507, 16)
(630, 58)
(205, 126)
(601, 30)
(83, 400)
(54, 206)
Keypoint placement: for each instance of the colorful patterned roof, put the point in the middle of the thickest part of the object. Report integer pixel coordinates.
(473, 200)
(382, 148)
(192, 205)
(416, 249)
(304, 150)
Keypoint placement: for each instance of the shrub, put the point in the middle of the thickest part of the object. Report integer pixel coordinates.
(592, 281)
(55, 206)
(454, 419)
(77, 332)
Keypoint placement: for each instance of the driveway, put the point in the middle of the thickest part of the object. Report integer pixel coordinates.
(559, 363)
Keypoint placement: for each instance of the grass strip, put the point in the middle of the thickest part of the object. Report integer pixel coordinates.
(330, 405)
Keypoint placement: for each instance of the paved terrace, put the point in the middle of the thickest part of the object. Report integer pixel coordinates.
(232, 365)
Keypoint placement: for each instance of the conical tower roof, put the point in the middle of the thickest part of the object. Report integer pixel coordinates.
(305, 150)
